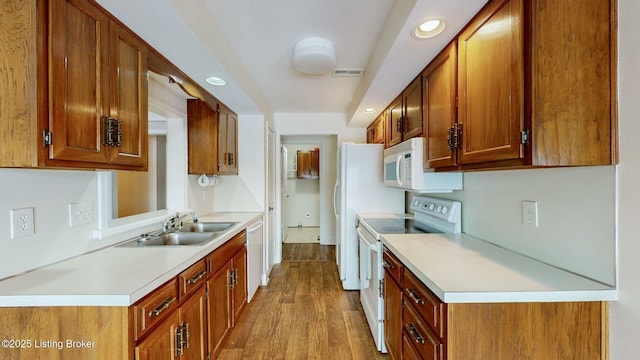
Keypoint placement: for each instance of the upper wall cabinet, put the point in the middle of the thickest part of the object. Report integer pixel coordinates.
(439, 92)
(376, 130)
(404, 115)
(536, 86)
(213, 144)
(88, 107)
(490, 85)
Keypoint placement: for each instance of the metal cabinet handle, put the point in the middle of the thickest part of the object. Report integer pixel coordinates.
(197, 278)
(387, 265)
(415, 297)
(417, 337)
(162, 307)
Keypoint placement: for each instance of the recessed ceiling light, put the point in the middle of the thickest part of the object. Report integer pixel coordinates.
(429, 28)
(215, 81)
(369, 110)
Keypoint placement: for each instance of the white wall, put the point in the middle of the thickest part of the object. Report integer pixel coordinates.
(576, 209)
(625, 313)
(304, 194)
(245, 191)
(49, 192)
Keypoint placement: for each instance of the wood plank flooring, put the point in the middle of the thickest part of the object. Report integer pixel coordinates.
(303, 313)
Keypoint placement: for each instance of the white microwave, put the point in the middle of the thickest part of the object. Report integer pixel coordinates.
(403, 168)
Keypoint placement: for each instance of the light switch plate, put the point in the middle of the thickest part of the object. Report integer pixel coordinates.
(530, 213)
(22, 223)
(80, 213)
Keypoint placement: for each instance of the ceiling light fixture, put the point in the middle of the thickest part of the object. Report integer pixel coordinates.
(429, 28)
(213, 80)
(314, 56)
(369, 110)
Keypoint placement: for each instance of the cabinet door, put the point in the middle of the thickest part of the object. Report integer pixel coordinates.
(192, 312)
(202, 127)
(128, 97)
(239, 298)
(412, 112)
(394, 122)
(490, 84)
(227, 142)
(571, 83)
(160, 344)
(314, 163)
(392, 317)
(439, 90)
(303, 164)
(218, 307)
(375, 131)
(78, 80)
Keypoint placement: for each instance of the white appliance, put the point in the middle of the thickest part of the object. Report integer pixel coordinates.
(358, 188)
(255, 257)
(431, 215)
(403, 168)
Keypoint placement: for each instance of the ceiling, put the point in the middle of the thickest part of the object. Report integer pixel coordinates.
(249, 43)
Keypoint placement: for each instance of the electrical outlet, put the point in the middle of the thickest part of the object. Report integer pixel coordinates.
(21, 222)
(530, 213)
(80, 213)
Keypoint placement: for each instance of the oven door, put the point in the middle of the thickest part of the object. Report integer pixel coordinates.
(371, 271)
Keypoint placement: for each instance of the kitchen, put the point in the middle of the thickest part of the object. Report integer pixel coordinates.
(48, 191)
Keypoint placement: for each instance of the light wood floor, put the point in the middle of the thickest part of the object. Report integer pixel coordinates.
(303, 313)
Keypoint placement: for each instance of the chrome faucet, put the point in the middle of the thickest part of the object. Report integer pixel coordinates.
(176, 221)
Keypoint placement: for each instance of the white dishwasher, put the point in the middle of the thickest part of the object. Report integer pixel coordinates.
(255, 257)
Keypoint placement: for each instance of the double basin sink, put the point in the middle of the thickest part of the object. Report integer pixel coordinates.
(198, 233)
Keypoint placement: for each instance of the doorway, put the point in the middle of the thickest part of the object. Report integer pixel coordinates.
(301, 193)
(310, 192)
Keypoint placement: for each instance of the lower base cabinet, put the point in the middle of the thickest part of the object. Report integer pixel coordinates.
(434, 330)
(186, 318)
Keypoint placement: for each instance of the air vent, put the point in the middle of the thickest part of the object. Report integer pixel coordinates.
(347, 72)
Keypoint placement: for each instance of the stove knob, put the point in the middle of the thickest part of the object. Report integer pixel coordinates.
(445, 210)
(439, 208)
(432, 206)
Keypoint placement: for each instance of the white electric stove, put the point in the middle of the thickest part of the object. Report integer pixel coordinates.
(431, 215)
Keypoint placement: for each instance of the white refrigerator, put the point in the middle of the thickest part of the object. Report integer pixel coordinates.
(359, 189)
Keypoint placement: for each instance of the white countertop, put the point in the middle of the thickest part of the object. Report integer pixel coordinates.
(114, 276)
(459, 268)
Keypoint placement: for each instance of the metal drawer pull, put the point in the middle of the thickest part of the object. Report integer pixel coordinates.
(415, 333)
(387, 264)
(197, 278)
(162, 307)
(415, 297)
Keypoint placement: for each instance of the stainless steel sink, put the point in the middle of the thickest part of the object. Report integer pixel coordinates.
(199, 227)
(172, 239)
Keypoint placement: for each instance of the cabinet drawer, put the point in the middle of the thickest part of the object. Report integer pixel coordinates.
(392, 265)
(429, 306)
(192, 278)
(418, 334)
(220, 256)
(155, 307)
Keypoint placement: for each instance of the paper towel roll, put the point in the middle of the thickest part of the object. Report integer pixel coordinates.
(207, 181)
(204, 180)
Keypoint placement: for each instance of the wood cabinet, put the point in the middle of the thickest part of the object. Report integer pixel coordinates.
(394, 122)
(84, 89)
(308, 164)
(536, 86)
(491, 84)
(376, 130)
(412, 123)
(227, 141)
(393, 270)
(227, 289)
(212, 139)
(431, 329)
(170, 323)
(440, 111)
